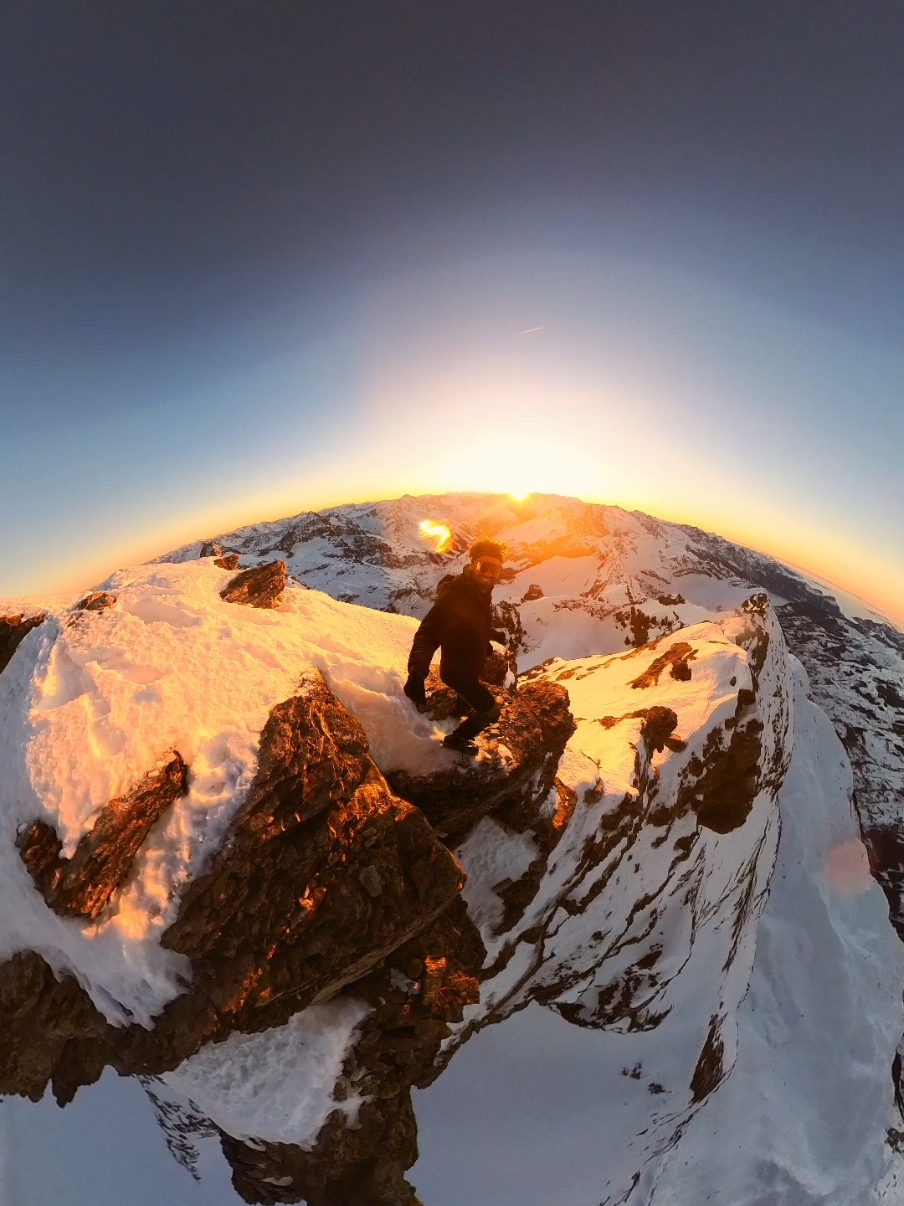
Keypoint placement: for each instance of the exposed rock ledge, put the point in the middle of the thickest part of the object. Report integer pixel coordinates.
(616, 852)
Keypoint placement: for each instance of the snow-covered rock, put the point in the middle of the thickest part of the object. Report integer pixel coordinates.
(586, 579)
(291, 904)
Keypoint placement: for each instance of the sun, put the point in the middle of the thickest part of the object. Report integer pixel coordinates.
(520, 495)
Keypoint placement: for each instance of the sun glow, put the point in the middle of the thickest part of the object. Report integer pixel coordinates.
(438, 532)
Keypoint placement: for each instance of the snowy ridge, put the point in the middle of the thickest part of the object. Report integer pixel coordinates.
(810, 1092)
(598, 578)
(610, 578)
(628, 904)
(655, 931)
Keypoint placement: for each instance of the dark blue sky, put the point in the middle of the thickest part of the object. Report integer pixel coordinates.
(210, 211)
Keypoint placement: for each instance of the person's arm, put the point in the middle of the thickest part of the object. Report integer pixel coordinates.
(427, 640)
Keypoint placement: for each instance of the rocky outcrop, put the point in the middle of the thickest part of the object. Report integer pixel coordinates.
(600, 899)
(625, 886)
(322, 874)
(261, 586)
(82, 886)
(13, 630)
(326, 871)
(421, 989)
(516, 765)
(96, 601)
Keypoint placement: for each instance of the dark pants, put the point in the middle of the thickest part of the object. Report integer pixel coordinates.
(473, 692)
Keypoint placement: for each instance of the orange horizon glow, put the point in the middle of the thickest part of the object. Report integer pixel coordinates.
(838, 564)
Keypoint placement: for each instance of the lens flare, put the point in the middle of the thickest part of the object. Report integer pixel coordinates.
(847, 868)
(436, 531)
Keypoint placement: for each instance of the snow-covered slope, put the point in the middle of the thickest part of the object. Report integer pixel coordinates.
(605, 578)
(809, 1095)
(623, 898)
(802, 1117)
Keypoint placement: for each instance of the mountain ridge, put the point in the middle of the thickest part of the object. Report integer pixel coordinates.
(607, 856)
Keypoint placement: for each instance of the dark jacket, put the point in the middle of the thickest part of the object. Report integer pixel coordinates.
(460, 625)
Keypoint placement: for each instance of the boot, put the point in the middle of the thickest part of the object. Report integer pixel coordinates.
(463, 737)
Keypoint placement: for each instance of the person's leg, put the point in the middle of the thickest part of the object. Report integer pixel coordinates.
(485, 711)
(473, 693)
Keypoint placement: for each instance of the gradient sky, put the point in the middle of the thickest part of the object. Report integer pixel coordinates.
(256, 258)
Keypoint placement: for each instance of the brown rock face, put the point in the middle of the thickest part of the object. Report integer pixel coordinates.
(329, 871)
(280, 919)
(40, 1016)
(98, 600)
(261, 586)
(13, 630)
(501, 665)
(524, 748)
(81, 886)
(414, 994)
(678, 658)
(229, 562)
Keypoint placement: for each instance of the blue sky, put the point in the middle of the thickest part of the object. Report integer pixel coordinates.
(257, 266)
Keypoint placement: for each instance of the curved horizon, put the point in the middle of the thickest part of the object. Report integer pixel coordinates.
(347, 254)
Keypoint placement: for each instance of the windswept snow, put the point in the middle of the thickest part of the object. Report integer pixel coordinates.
(802, 1118)
(93, 701)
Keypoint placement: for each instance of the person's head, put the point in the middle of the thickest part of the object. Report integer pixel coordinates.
(487, 557)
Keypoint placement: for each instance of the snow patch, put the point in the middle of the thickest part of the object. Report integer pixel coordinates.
(278, 1085)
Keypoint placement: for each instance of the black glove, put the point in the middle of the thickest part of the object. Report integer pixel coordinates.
(414, 689)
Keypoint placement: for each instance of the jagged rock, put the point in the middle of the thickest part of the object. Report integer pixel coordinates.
(96, 601)
(43, 1019)
(601, 904)
(579, 856)
(507, 620)
(229, 562)
(81, 886)
(13, 630)
(261, 586)
(414, 996)
(533, 592)
(516, 767)
(319, 816)
(211, 548)
(501, 668)
(281, 918)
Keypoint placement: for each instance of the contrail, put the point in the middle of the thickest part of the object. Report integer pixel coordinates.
(529, 329)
